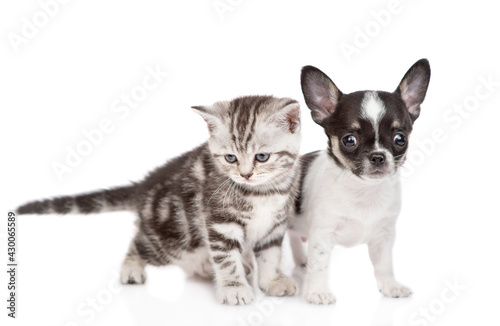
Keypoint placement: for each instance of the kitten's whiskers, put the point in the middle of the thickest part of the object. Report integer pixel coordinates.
(218, 189)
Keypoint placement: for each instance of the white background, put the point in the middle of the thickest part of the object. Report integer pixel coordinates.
(63, 81)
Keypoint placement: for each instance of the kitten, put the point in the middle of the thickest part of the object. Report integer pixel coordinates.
(209, 208)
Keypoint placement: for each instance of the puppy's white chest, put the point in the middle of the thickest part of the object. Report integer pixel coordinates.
(359, 218)
(351, 212)
(368, 203)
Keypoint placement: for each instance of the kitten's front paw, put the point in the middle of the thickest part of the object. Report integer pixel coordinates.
(132, 274)
(320, 297)
(235, 294)
(394, 289)
(280, 287)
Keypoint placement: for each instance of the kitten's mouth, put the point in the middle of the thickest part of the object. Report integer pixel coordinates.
(249, 182)
(238, 179)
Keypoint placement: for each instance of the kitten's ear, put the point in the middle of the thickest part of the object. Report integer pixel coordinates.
(210, 114)
(320, 93)
(413, 86)
(288, 116)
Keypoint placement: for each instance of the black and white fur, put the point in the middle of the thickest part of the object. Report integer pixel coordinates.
(206, 214)
(351, 193)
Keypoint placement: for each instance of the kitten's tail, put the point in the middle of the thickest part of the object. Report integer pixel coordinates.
(115, 199)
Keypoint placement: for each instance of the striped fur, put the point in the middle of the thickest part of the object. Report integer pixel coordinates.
(198, 212)
(117, 199)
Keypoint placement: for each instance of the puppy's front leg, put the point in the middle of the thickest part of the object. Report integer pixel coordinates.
(380, 249)
(318, 262)
(298, 251)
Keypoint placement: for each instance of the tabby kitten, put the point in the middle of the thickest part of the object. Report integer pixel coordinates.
(209, 208)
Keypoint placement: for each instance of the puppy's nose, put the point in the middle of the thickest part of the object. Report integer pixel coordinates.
(377, 159)
(246, 176)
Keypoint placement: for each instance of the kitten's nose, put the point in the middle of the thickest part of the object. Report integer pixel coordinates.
(377, 159)
(246, 176)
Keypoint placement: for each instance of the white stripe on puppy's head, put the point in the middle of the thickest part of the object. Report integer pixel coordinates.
(373, 109)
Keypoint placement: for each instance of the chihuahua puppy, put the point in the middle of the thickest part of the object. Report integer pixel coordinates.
(351, 193)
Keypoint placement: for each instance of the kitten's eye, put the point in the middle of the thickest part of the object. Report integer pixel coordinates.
(400, 139)
(349, 141)
(262, 157)
(230, 158)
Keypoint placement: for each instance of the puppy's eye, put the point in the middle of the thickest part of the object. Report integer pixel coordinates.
(262, 157)
(400, 139)
(230, 158)
(349, 141)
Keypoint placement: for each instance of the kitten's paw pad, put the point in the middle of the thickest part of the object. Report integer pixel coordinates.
(235, 295)
(395, 290)
(132, 274)
(281, 286)
(320, 297)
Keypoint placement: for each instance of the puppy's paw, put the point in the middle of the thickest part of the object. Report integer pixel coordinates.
(235, 294)
(132, 273)
(394, 289)
(324, 297)
(280, 287)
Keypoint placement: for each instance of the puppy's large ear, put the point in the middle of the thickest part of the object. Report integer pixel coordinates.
(413, 86)
(320, 93)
